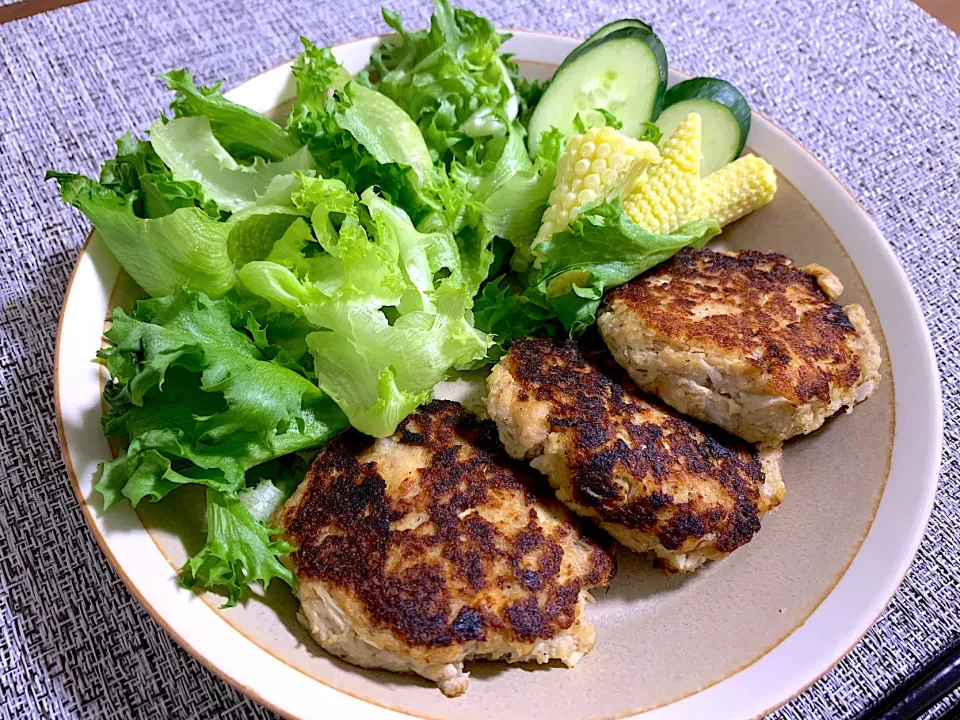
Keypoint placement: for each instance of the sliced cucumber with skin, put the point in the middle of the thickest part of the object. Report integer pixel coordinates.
(624, 72)
(724, 115)
(608, 29)
(617, 25)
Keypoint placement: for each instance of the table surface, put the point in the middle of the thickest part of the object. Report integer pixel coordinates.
(946, 11)
(870, 86)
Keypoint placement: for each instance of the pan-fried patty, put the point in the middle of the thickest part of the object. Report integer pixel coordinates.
(744, 340)
(654, 480)
(421, 550)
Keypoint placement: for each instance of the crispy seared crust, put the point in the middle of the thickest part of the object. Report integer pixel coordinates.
(745, 340)
(747, 302)
(435, 544)
(653, 479)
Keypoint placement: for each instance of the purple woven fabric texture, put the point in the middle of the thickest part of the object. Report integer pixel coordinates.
(872, 87)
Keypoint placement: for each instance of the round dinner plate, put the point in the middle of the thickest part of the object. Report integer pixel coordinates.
(736, 639)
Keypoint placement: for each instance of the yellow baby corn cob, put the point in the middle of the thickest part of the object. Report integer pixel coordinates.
(593, 164)
(662, 200)
(735, 190)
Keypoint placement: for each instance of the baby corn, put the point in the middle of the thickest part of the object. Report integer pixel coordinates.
(593, 164)
(663, 199)
(736, 190)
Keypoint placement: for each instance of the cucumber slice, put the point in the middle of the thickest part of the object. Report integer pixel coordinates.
(624, 72)
(608, 29)
(724, 113)
(617, 25)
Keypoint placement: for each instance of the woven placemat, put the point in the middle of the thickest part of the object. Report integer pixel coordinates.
(871, 87)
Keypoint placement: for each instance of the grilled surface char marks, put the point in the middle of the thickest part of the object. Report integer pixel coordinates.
(634, 462)
(449, 548)
(759, 306)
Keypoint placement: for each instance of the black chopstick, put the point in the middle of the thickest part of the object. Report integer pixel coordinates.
(921, 691)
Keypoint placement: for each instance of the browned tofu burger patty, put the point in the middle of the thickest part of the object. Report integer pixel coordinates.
(421, 550)
(743, 340)
(651, 478)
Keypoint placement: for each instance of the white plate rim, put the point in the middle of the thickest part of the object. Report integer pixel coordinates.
(773, 679)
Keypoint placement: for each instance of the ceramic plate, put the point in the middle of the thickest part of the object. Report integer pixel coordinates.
(736, 639)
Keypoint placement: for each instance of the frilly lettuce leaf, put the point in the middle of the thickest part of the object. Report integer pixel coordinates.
(506, 312)
(512, 159)
(466, 98)
(450, 78)
(379, 373)
(164, 223)
(188, 147)
(357, 135)
(514, 209)
(193, 390)
(386, 131)
(244, 133)
(390, 302)
(239, 549)
(253, 232)
(600, 250)
(198, 400)
(362, 138)
(185, 247)
(138, 170)
(419, 256)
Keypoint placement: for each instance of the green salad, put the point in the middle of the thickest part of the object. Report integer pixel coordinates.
(331, 271)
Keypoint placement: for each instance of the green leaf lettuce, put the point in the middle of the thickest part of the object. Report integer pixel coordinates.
(450, 78)
(600, 250)
(390, 303)
(356, 134)
(185, 247)
(198, 401)
(188, 147)
(244, 133)
(193, 391)
(239, 550)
